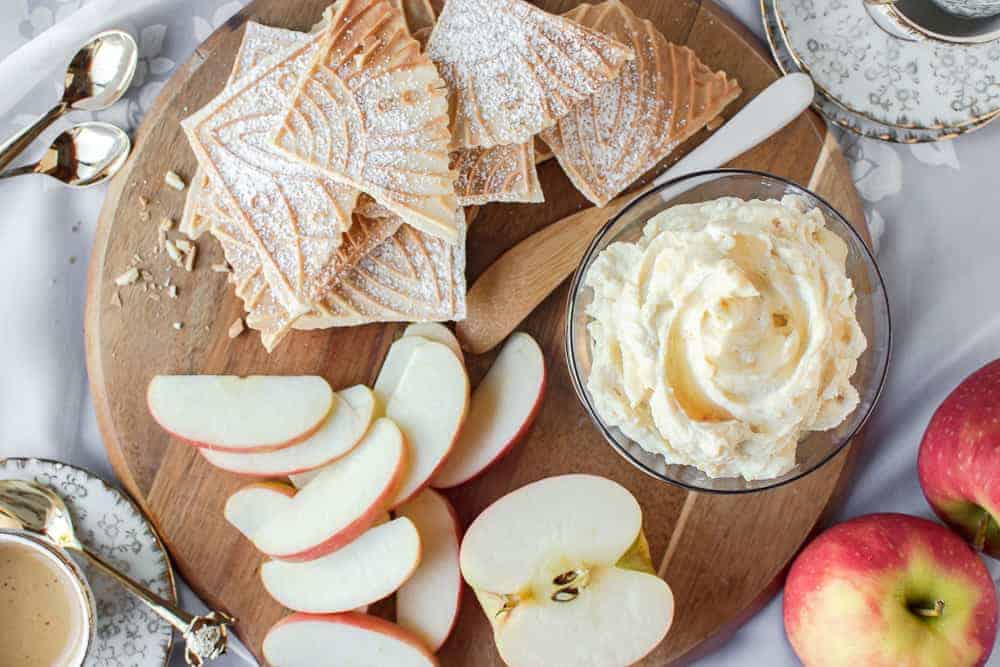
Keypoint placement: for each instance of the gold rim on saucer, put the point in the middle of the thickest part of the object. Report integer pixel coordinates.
(842, 115)
(948, 130)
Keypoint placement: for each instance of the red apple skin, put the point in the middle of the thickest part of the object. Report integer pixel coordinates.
(354, 529)
(846, 597)
(365, 622)
(517, 438)
(456, 526)
(266, 447)
(959, 461)
(440, 464)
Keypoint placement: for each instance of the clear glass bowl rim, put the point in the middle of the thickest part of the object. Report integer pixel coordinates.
(578, 382)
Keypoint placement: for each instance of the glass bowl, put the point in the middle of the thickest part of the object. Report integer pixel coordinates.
(816, 447)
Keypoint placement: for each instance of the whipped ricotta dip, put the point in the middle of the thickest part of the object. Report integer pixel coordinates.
(724, 334)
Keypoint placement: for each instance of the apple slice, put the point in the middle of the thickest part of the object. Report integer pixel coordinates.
(397, 360)
(342, 502)
(501, 411)
(358, 640)
(225, 412)
(428, 603)
(362, 402)
(436, 332)
(564, 575)
(338, 435)
(425, 390)
(368, 569)
(252, 506)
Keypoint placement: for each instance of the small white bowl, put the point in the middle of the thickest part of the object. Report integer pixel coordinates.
(74, 575)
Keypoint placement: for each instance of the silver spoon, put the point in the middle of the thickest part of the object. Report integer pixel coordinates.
(85, 154)
(96, 78)
(39, 510)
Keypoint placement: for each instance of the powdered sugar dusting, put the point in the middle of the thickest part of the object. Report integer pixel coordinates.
(372, 112)
(514, 69)
(292, 215)
(411, 277)
(662, 98)
(501, 173)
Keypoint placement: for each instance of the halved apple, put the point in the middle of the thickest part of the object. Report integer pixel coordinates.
(368, 569)
(501, 411)
(436, 332)
(341, 503)
(254, 505)
(342, 430)
(428, 602)
(360, 640)
(225, 412)
(425, 390)
(562, 570)
(362, 402)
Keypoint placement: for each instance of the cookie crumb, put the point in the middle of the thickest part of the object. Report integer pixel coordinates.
(128, 278)
(189, 258)
(172, 291)
(236, 328)
(175, 254)
(174, 180)
(178, 325)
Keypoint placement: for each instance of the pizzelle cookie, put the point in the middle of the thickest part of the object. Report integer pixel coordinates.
(371, 112)
(663, 97)
(501, 173)
(259, 42)
(264, 313)
(291, 214)
(514, 69)
(418, 14)
(410, 277)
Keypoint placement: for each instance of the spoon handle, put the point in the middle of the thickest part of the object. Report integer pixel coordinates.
(205, 636)
(20, 171)
(166, 610)
(16, 144)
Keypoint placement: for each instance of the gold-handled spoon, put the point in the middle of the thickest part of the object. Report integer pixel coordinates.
(37, 509)
(85, 154)
(97, 77)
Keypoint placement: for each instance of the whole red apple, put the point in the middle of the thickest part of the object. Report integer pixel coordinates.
(959, 461)
(890, 590)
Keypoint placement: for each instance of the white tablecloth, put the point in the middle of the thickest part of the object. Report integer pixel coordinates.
(933, 210)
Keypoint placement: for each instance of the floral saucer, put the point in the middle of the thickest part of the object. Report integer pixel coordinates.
(106, 520)
(875, 89)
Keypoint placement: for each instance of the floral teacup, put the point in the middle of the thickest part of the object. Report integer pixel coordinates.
(947, 21)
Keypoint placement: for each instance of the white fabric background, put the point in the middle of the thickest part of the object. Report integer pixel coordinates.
(933, 210)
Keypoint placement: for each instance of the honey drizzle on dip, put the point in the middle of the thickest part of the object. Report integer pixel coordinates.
(41, 614)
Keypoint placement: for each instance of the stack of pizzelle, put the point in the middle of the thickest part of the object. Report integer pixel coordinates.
(334, 166)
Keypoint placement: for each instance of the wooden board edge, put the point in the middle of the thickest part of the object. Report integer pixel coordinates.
(111, 204)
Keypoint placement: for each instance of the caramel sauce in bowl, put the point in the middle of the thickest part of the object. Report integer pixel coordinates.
(47, 612)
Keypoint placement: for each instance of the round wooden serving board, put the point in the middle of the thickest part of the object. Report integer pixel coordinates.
(722, 555)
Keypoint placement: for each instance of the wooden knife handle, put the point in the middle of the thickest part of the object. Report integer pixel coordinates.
(522, 277)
